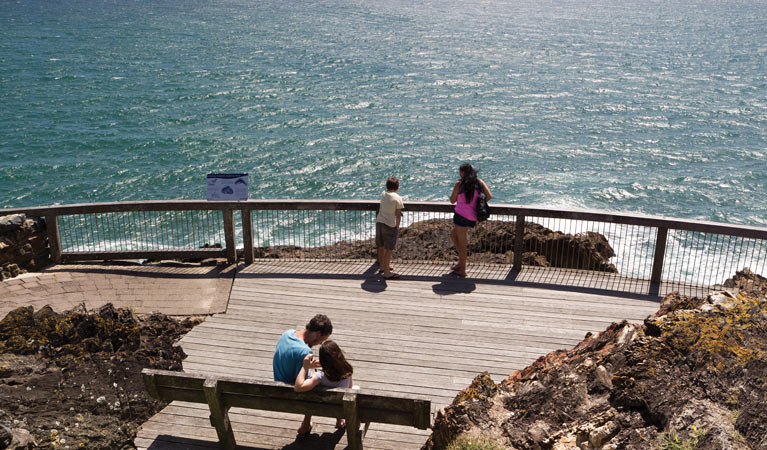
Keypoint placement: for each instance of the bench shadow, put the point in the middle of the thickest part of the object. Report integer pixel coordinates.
(324, 441)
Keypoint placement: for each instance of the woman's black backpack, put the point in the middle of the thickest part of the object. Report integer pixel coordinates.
(483, 209)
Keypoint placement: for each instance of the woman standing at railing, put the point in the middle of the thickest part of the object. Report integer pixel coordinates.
(465, 194)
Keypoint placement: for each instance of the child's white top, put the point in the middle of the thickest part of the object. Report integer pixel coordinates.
(390, 203)
(327, 384)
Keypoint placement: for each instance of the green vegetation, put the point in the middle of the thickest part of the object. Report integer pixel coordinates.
(670, 440)
(465, 442)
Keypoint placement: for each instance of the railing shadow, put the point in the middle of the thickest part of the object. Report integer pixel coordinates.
(574, 280)
(447, 284)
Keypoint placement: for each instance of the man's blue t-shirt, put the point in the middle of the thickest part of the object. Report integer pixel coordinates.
(289, 357)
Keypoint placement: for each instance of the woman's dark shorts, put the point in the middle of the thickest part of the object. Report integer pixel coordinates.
(386, 236)
(461, 221)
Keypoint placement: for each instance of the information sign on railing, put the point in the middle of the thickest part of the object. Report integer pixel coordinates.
(227, 186)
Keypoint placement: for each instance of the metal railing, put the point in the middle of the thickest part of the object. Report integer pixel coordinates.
(623, 249)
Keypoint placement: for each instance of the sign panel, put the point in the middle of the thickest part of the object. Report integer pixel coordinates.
(227, 186)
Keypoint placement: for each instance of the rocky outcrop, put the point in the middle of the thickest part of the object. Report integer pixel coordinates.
(490, 241)
(73, 380)
(694, 375)
(23, 245)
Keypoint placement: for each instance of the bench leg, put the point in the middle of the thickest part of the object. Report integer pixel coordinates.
(353, 435)
(219, 415)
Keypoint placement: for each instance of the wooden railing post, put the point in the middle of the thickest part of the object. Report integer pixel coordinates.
(247, 235)
(657, 262)
(351, 414)
(54, 238)
(231, 248)
(219, 416)
(519, 242)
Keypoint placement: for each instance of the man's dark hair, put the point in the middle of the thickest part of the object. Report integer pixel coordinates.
(320, 323)
(392, 184)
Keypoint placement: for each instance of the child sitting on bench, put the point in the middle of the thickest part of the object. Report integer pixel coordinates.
(336, 372)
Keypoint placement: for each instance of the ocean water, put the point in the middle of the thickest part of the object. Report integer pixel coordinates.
(651, 107)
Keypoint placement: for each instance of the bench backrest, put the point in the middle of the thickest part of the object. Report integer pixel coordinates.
(222, 393)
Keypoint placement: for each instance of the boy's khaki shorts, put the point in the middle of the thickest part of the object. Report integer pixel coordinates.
(386, 236)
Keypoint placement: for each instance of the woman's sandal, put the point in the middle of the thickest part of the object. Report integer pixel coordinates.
(393, 276)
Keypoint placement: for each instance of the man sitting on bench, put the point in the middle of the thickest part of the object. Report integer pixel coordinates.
(290, 352)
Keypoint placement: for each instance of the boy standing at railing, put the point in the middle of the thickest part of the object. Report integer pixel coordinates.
(387, 226)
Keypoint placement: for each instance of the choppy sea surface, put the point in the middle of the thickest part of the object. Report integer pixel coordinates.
(651, 107)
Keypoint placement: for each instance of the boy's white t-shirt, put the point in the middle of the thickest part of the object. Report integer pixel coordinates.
(390, 203)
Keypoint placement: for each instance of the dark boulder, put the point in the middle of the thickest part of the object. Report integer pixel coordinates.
(489, 242)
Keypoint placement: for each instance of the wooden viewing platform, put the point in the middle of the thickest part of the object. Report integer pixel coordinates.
(427, 334)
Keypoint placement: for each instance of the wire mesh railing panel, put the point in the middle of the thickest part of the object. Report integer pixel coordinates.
(315, 235)
(140, 230)
(708, 259)
(606, 255)
(583, 248)
(424, 237)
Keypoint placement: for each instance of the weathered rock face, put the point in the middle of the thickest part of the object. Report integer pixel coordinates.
(74, 379)
(693, 374)
(490, 241)
(23, 245)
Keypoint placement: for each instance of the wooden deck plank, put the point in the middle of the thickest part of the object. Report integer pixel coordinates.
(574, 314)
(407, 332)
(380, 370)
(242, 342)
(363, 358)
(245, 328)
(262, 431)
(420, 336)
(405, 287)
(473, 327)
(488, 272)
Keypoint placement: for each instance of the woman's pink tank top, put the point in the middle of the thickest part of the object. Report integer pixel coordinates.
(467, 210)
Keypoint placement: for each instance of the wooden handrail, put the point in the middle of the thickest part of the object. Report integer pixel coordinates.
(367, 205)
(517, 213)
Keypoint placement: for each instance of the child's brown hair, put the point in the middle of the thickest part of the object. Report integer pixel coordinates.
(392, 184)
(333, 362)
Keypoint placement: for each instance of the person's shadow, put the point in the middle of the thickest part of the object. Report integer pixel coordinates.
(452, 284)
(374, 284)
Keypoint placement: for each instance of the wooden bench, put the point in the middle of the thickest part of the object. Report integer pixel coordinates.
(222, 393)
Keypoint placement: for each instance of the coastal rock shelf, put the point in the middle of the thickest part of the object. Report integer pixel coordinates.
(692, 374)
(491, 242)
(23, 245)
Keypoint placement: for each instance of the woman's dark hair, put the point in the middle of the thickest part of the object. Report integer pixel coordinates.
(469, 181)
(333, 362)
